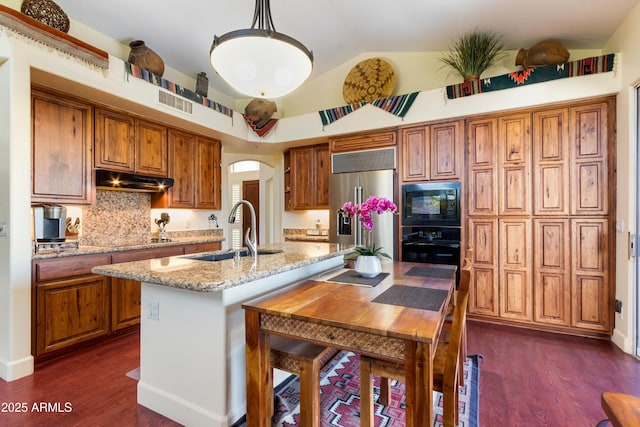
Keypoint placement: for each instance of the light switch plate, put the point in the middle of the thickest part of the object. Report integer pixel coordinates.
(4, 229)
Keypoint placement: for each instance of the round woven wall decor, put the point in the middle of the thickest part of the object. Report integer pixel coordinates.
(368, 80)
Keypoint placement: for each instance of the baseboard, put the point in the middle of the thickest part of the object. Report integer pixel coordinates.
(177, 409)
(10, 371)
(623, 341)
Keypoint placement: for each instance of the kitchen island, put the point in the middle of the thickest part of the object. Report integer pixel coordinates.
(192, 337)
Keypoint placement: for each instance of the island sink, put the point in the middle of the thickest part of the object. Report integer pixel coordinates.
(219, 256)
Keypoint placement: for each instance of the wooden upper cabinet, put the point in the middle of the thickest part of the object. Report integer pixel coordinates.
(322, 167)
(588, 134)
(114, 141)
(152, 146)
(415, 153)
(482, 171)
(208, 174)
(182, 155)
(551, 162)
(446, 150)
(362, 141)
(128, 144)
(514, 164)
(310, 169)
(61, 150)
(432, 152)
(194, 165)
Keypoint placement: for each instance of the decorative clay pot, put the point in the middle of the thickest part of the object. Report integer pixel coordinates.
(547, 52)
(368, 266)
(145, 58)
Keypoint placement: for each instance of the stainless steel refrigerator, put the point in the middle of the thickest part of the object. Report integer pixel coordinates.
(356, 186)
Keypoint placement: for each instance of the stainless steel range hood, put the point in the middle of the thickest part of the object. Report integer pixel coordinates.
(121, 181)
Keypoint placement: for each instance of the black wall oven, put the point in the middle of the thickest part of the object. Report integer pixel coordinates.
(431, 223)
(435, 245)
(431, 204)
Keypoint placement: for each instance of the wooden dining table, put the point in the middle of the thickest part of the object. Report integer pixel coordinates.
(399, 318)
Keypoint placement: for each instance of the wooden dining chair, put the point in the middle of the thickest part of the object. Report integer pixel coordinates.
(446, 364)
(305, 360)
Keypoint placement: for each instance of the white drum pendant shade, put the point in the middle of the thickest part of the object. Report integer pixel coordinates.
(260, 62)
(260, 65)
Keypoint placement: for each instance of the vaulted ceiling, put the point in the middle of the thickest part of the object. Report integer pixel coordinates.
(338, 30)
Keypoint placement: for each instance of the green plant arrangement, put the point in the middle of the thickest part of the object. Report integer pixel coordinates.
(473, 53)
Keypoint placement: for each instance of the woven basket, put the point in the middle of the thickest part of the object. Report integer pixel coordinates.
(47, 12)
(368, 80)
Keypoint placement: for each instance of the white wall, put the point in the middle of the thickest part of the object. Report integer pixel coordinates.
(625, 41)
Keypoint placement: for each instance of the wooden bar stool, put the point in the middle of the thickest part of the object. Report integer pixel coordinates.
(623, 410)
(305, 360)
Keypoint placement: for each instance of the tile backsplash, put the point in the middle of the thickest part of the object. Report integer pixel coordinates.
(122, 218)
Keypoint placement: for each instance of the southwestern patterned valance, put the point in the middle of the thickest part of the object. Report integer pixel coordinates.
(138, 72)
(581, 67)
(397, 105)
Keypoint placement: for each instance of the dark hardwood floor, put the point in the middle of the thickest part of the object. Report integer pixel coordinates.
(527, 378)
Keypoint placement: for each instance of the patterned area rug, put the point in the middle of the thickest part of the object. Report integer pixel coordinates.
(340, 399)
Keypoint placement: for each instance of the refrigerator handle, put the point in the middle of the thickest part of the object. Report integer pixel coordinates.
(358, 236)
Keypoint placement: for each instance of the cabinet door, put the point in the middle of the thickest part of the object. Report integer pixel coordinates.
(483, 296)
(61, 150)
(551, 162)
(151, 149)
(208, 174)
(415, 153)
(363, 141)
(481, 134)
(591, 306)
(125, 303)
(552, 288)
(182, 155)
(445, 144)
(514, 164)
(70, 312)
(302, 178)
(114, 141)
(588, 134)
(322, 172)
(516, 297)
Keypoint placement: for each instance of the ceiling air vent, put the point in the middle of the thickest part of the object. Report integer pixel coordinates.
(175, 102)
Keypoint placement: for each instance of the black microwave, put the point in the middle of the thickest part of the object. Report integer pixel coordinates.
(433, 203)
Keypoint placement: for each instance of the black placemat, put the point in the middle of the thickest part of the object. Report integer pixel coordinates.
(439, 273)
(354, 278)
(413, 297)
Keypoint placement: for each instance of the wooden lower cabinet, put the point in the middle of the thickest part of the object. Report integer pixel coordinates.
(550, 273)
(71, 312)
(73, 307)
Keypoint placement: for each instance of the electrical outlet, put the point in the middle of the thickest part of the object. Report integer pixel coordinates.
(153, 311)
(4, 229)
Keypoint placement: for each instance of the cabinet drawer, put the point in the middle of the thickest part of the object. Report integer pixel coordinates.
(63, 268)
(202, 247)
(141, 254)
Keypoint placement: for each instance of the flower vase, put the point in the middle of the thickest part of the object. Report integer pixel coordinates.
(368, 266)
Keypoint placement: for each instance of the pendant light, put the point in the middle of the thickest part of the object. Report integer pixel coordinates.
(259, 61)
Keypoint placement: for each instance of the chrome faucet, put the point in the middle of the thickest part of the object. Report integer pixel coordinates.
(252, 243)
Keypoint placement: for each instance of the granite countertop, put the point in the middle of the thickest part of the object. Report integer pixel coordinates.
(305, 238)
(213, 276)
(95, 249)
